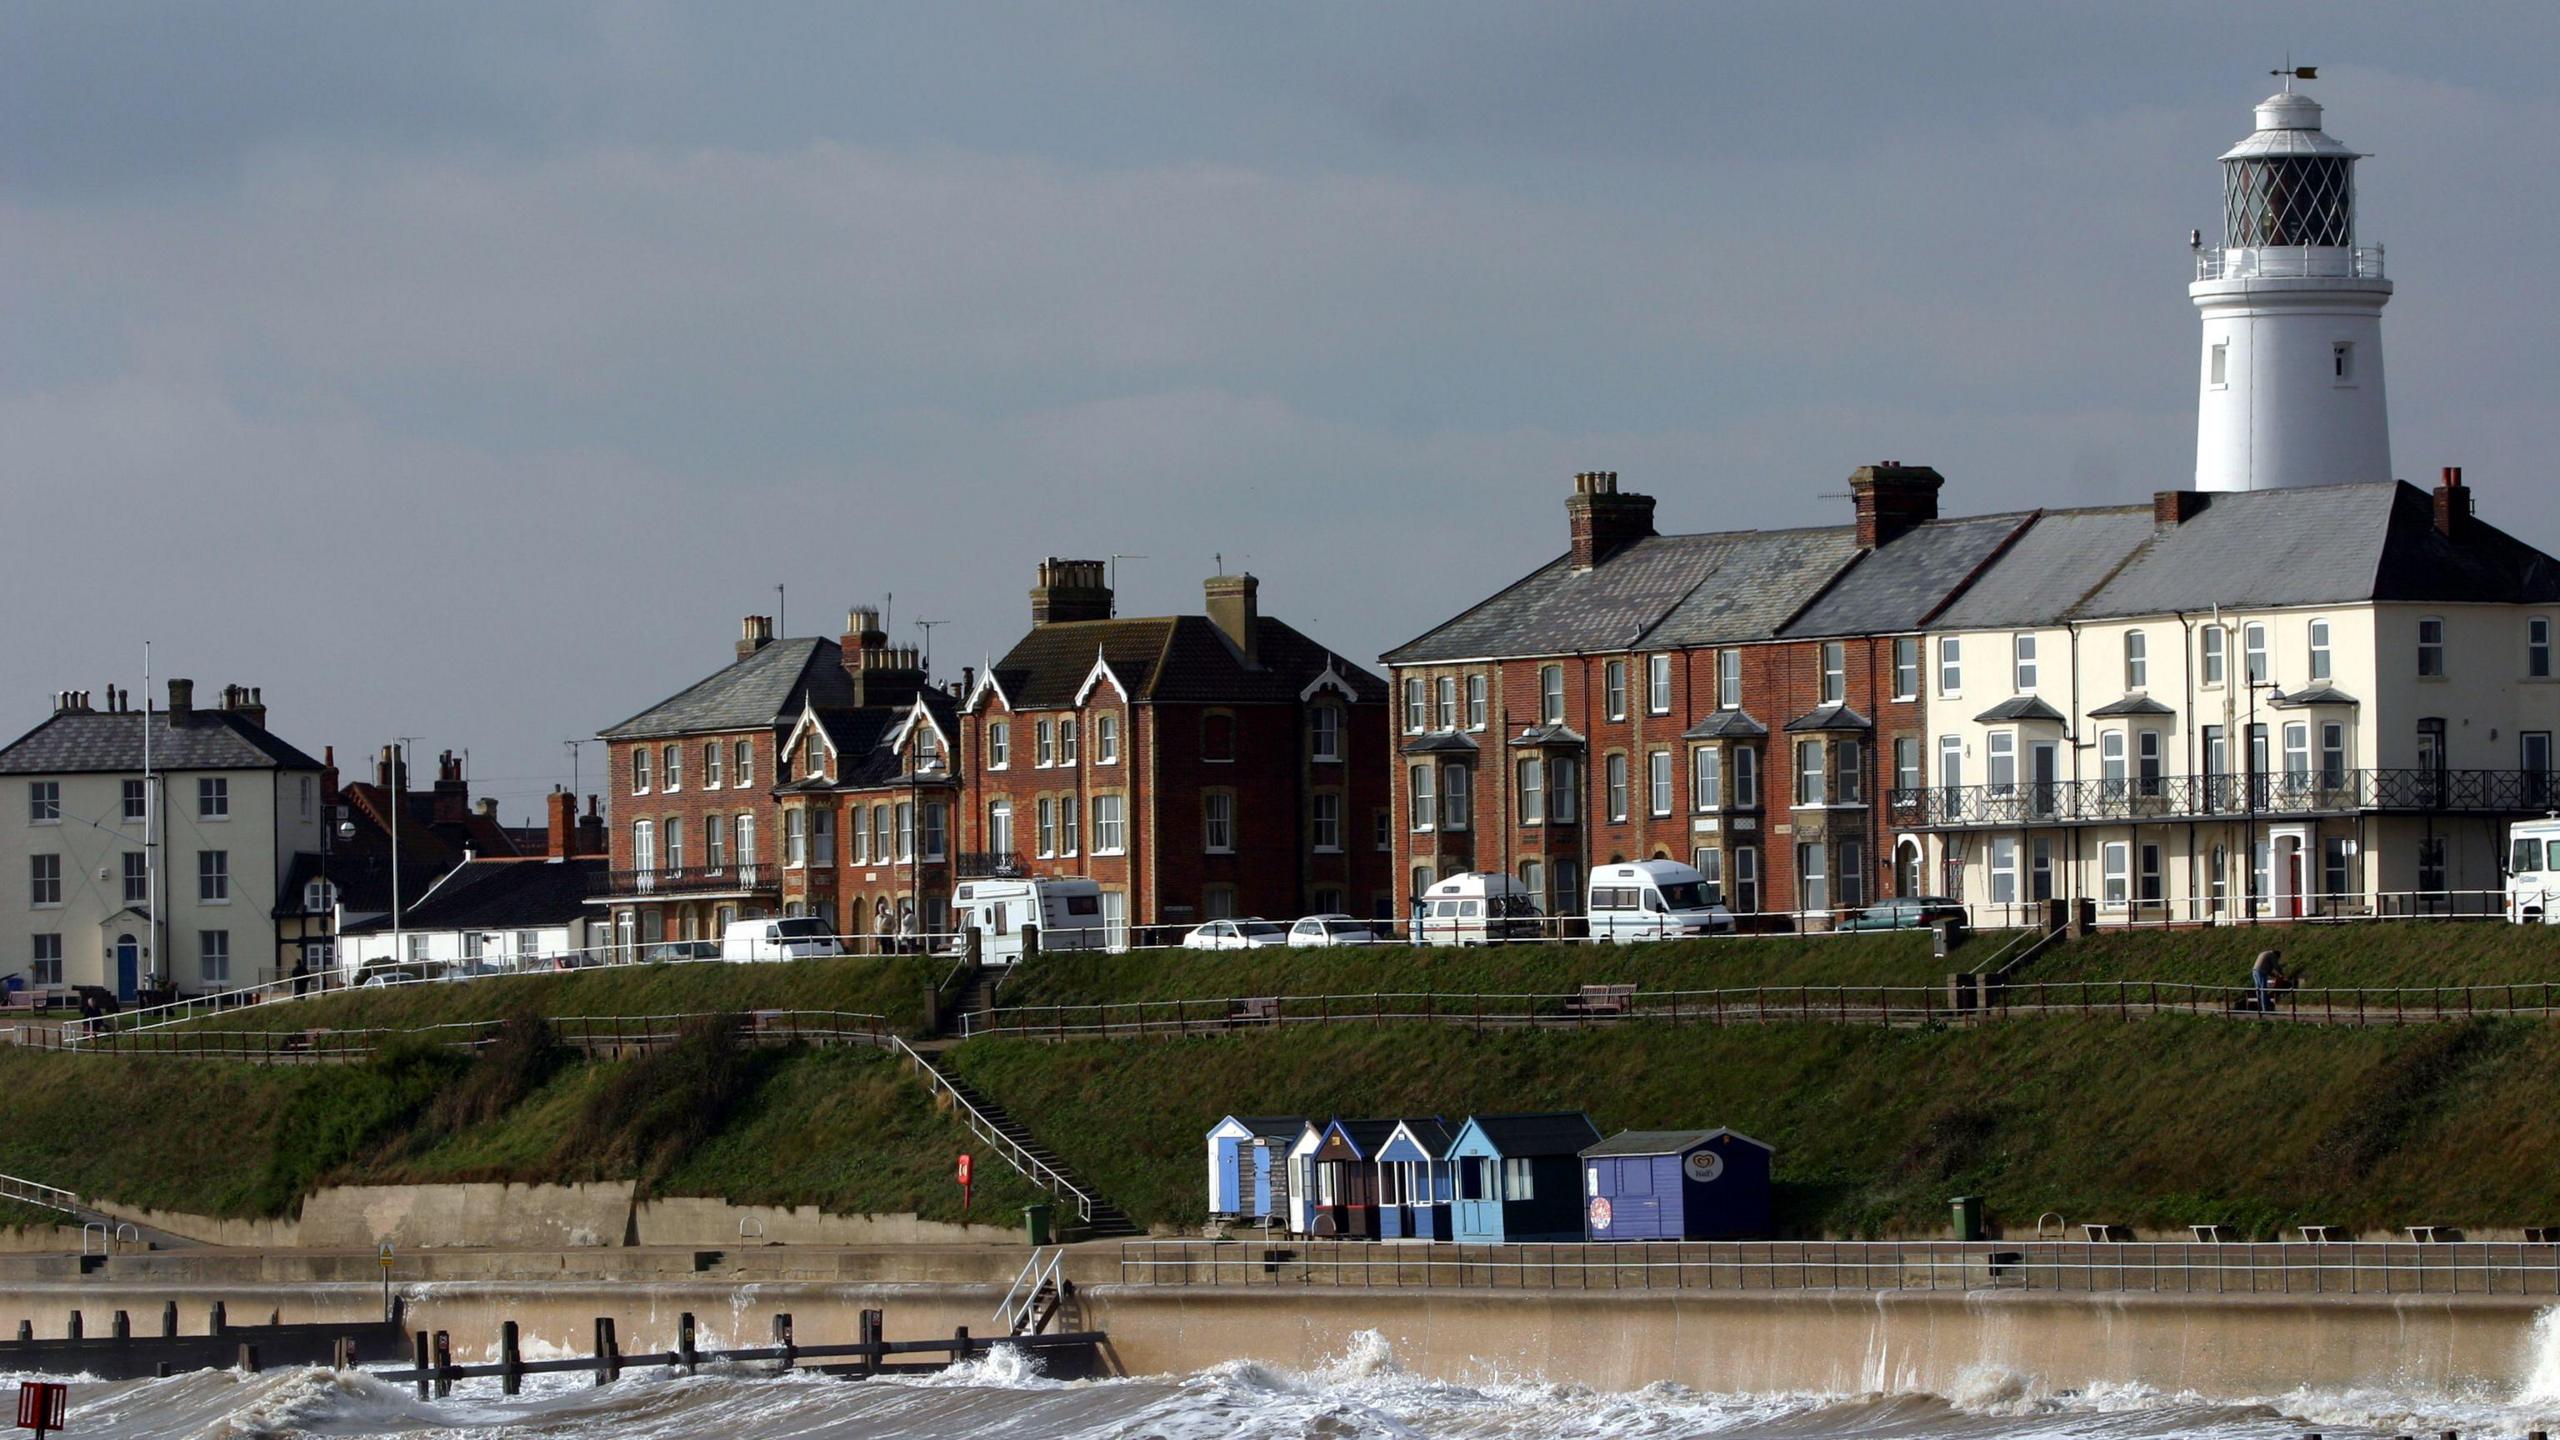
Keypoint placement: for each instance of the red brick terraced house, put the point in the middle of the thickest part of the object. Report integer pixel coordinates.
(697, 829)
(1197, 766)
(1744, 701)
(866, 795)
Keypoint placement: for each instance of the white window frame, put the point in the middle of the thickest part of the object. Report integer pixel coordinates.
(2256, 666)
(1706, 779)
(213, 797)
(1657, 684)
(1417, 712)
(1728, 679)
(2317, 635)
(1324, 734)
(1324, 822)
(1657, 764)
(1218, 822)
(2537, 647)
(1110, 826)
(2115, 868)
(1533, 790)
(1835, 672)
(2431, 652)
(1422, 801)
(2022, 658)
(1476, 702)
(2214, 662)
(2137, 660)
(213, 877)
(1613, 689)
(999, 745)
(1551, 694)
(1906, 667)
(1950, 665)
(1106, 738)
(1615, 792)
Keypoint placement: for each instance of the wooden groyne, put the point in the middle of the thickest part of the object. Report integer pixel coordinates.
(121, 1354)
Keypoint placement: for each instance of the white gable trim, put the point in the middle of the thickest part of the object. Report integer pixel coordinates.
(897, 737)
(791, 745)
(1100, 672)
(1331, 679)
(987, 685)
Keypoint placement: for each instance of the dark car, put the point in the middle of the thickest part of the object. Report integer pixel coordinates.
(1907, 912)
(683, 950)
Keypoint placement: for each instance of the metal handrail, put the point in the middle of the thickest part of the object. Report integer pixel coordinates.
(1036, 1273)
(42, 1196)
(2290, 262)
(1031, 1166)
(2224, 796)
(584, 1032)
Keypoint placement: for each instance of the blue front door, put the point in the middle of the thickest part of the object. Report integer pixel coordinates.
(128, 967)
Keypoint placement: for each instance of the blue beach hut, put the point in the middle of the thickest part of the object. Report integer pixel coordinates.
(1413, 1181)
(1676, 1185)
(1517, 1177)
(1248, 1164)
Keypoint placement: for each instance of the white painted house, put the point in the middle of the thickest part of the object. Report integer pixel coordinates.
(502, 914)
(110, 878)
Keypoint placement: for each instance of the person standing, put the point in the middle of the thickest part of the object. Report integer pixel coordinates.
(2265, 976)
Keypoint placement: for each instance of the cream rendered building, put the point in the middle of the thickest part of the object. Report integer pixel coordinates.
(2318, 700)
(229, 807)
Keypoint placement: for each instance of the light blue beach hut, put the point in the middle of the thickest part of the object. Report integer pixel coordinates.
(1413, 1181)
(1517, 1177)
(1248, 1164)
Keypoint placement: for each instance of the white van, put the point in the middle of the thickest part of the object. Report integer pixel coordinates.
(1477, 909)
(2533, 871)
(1067, 910)
(1653, 900)
(783, 937)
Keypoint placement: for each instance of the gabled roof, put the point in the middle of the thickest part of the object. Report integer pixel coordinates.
(765, 689)
(73, 742)
(1170, 659)
(2042, 577)
(1550, 1132)
(1905, 584)
(1726, 725)
(1268, 1127)
(2133, 705)
(2020, 707)
(1662, 590)
(1428, 1134)
(1363, 1136)
(525, 894)
(1665, 1142)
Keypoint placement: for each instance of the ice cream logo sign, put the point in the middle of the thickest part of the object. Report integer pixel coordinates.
(1599, 1212)
(1702, 1166)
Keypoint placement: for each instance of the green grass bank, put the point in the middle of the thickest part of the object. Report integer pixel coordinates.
(845, 1129)
(2158, 1122)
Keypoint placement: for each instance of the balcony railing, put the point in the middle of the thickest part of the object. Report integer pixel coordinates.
(693, 880)
(992, 865)
(2225, 797)
(2290, 262)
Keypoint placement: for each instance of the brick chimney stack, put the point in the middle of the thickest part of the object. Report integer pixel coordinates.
(561, 813)
(182, 701)
(1891, 498)
(2453, 505)
(1603, 521)
(754, 633)
(1070, 590)
(453, 792)
(1235, 607)
(591, 830)
(2171, 508)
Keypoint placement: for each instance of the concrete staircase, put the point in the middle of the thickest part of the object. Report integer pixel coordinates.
(1022, 1150)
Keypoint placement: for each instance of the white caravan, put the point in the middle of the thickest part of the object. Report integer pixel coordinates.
(1653, 900)
(1476, 909)
(2533, 871)
(1067, 910)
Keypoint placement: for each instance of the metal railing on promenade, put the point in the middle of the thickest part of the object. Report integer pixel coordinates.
(589, 1034)
(997, 1134)
(2344, 1268)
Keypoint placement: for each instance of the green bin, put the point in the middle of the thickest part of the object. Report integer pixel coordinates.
(1036, 1222)
(1968, 1217)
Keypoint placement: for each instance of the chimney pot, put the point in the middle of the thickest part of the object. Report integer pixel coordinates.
(1070, 590)
(2176, 507)
(182, 699)
(754, 633)
(2453, 504)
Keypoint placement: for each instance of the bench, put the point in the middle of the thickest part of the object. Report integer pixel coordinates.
(1601, 1001)
(2102, 1232)
(2325, 1234)
(2435, 1234)
(2542, 1234)
(2214, 1234)
(1255, 1010)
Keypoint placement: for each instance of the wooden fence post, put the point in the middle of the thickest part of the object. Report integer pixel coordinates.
(422, 1362)
(783, 1341)
(685, 1354)
(604, 1349)
(444, 1364)
(510, 1359)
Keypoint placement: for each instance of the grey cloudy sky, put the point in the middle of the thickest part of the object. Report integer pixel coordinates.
(465, 371)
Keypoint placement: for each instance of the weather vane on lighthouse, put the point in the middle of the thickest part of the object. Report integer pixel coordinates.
(2292, 72)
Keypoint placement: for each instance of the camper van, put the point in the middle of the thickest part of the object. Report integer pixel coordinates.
(2533, 871)
(1653, 900)
(1067, 910)
(786, 937)
(1476, 909)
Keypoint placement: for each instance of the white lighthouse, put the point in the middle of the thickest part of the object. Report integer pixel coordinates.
(2290, 389)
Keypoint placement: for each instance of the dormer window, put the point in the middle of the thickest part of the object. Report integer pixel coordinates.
(319, 897)
(999, 744)
(814, 759)
(928, 751)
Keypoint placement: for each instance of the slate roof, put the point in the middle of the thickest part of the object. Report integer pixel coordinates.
(1552, 1132)
(1726, 725)
(109, 741)
(2133, 705)
(1903, 585)
(763, 690)
(1664, 1142)
(2043, 577)
(1829, 717)
(1441, 742)
(2314, 695)
(2023, 707)
(1271, 1127)
(2321, 545)
(1538, 735)
(500, 895)
(1177, 659)
(1365, 1136)
(1662, 590)
(1429, 1132)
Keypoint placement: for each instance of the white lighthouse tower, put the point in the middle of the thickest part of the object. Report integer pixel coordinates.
(2291, 382)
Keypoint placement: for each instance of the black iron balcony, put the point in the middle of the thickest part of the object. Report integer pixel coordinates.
(2224, 797)
(992, 865)
(694, 880)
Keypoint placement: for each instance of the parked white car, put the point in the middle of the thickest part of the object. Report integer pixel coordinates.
(1317, 932)
(1251, 934)
(797, 937)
